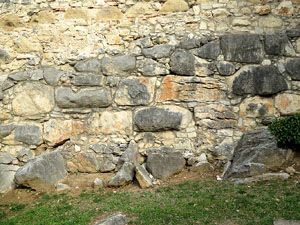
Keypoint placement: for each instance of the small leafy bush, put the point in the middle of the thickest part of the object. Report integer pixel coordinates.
(287, 131)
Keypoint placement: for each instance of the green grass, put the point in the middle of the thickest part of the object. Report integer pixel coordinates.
(192, 202)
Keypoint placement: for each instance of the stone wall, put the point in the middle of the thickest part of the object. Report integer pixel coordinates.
(90, 76)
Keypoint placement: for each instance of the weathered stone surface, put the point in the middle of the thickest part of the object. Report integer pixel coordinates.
(242, 48)
(202, 167)
(143, 177)
(293, 68)
(163, 165)
(11, 21)
(225, 68)
(116, 122)
(153, 68)
(292, 33)
(182, 62)
(25, 155)
(256, 153)
(26, 45)
(257, 107)
(117, 219)
(174, 6)
(130, 155)
(19, 76)
(90, 66)
(278, 44)
(43, 17)
(4, 56)
(260, 80)
(5, 130)
(270, 22)
(287, 104)
(119, 65)
(158, 51)
(106, 163)
(7, 174)
(76, 13)
(157, 119)
(33, 98)
(123, 176)
(86, 80)
(210, 51)
(6, 158)
(87, 163)
(28, 134)
(220, 13)
(57, 131)
(108, 13)
(52, 76)
(98, 183)
(42, 172)
(262, 9)
(286, 222)
(86, 98)
(193, 43)
(285, 8)
(135, 91)
(36, 74)
(140, 8)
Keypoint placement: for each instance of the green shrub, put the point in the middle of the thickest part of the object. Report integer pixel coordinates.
(287, 131)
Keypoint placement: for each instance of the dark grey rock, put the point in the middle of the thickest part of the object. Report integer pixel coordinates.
(153, 68)
(42, 172)
(157, 119)
(123, 176)
(130, 155)
(4, 56)
(158, 51)
(293, 68)
(19, 76)
(52, 76)
(182, 63)
(119, 65)
(5, 130)
(89, 65)
(86, 80)
(245, 48)
(255, 154)
(117, 219)
(277, 44)
(163, 165)
(193, 43)
(86, 98)
(293, 33)
(225, 68)
(260, 80)
(7, 174)
(210, 51)
(28, 134)
(6, 158)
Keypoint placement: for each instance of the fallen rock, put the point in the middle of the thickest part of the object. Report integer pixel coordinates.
(98, 183)
(7, 174)
(255, 154)
(123, 176)
(61, 187)
(42, 172)
(165, 164)
(130, 155)
(143, 177)
(117, 219)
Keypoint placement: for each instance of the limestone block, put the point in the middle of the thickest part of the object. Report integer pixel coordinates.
(86, 98)
(293, 68)
(153, 68)
(242, 48)
(32, 98)
(140, 8)
(278, 44)
(242, 22)
(182, 63)
(285, 8)
(11, 21)
(87, 163)
(135, 91)
(108, 13)
(56, 131)
(119, 65)
(86, 80)
(225, 68)
(260, 80)
(262, 9)
(7, 175)
(287, 104)
(158, 51)
(28, 133)
(89, 65)
(116, 122)
(25, 45)
(174, 6)
(257, 107)
(209, 51)
(220, 13)
(123, 176)
(143, 177)
(52, 76)
(43, 17)
(6, 158)
(76, 13)
(269, 22)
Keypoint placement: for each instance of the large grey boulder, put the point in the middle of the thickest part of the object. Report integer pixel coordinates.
(246, 48)
(209, 51)
(28, 134)
(122, 65)
(123, 176)
(7, 174)
(256, 153)
(117, 219)
(158, 51)
(86, 98)
(260, 80)
(157, 119)
(164, 164)
(182, 62)
(52, 76)
(89, 65)
(278, 44)
(293, 68)
(42, 172)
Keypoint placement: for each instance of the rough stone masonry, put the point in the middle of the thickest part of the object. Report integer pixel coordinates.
(87, 77)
